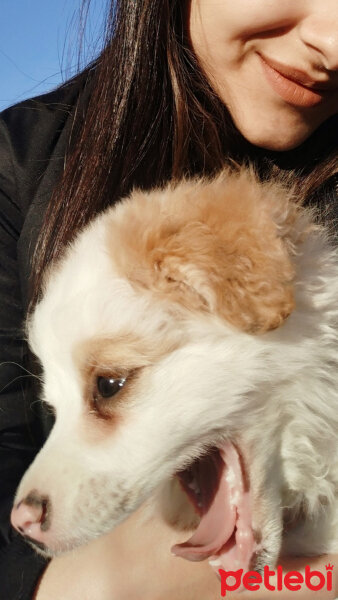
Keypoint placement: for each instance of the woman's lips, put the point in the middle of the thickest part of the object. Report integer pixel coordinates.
(293, 92)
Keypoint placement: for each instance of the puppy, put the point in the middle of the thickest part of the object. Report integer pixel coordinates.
(188, 339)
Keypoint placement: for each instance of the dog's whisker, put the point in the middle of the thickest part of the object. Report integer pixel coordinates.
(12, 381)
(38, 401)
(11, 362)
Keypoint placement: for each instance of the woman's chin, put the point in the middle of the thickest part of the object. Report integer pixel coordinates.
(279, 136)
(279, 140)
(280, 145)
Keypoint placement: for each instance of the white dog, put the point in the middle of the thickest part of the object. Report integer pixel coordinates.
(188, 339)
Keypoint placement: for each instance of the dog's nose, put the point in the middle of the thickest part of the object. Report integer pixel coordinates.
(31, 515)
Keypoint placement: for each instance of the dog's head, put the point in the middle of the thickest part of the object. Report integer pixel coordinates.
(153, 334)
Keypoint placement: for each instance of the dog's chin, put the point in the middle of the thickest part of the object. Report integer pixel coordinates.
(41, 548)
(55, 549)
(217, 486)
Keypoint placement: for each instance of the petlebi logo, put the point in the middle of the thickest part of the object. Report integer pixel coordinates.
(277, 580)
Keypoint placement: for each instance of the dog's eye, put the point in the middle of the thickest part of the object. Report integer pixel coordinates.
(109, 386)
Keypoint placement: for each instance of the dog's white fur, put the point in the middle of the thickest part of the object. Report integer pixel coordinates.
(200, 378)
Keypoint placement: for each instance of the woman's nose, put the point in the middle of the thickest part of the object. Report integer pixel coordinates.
(319, 32)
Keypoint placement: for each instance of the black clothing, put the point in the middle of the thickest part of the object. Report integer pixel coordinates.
(33, 141)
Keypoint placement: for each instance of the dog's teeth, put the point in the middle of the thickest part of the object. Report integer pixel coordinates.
(230, 476)
(194, 486)
(235, 497)
(215, 563)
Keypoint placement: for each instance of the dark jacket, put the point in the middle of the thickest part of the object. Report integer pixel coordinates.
(33, 142)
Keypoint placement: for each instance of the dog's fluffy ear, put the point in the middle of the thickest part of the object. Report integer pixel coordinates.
(241, 282)
(219, 246)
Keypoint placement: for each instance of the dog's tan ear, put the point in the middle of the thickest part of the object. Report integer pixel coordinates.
(212, 253)
(243, 279)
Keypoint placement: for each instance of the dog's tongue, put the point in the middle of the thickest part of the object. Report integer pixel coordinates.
(224, 532)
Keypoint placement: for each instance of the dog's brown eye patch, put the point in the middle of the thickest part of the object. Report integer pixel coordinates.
(111, 370)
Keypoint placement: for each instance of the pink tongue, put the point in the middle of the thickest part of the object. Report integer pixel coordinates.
(228, 513)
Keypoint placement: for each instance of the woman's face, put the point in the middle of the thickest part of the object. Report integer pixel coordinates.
(274, 63)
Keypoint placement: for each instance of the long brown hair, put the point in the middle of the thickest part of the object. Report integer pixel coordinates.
(151, 116)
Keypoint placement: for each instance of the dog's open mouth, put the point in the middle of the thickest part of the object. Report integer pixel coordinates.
(216, 486)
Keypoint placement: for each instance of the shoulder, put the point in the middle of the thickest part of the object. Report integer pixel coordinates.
(45, 111)
(33, 132)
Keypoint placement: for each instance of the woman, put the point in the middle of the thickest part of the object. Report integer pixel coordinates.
(181, 88)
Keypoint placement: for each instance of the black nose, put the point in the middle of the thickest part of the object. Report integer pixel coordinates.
(35, 509)
(42, 503)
